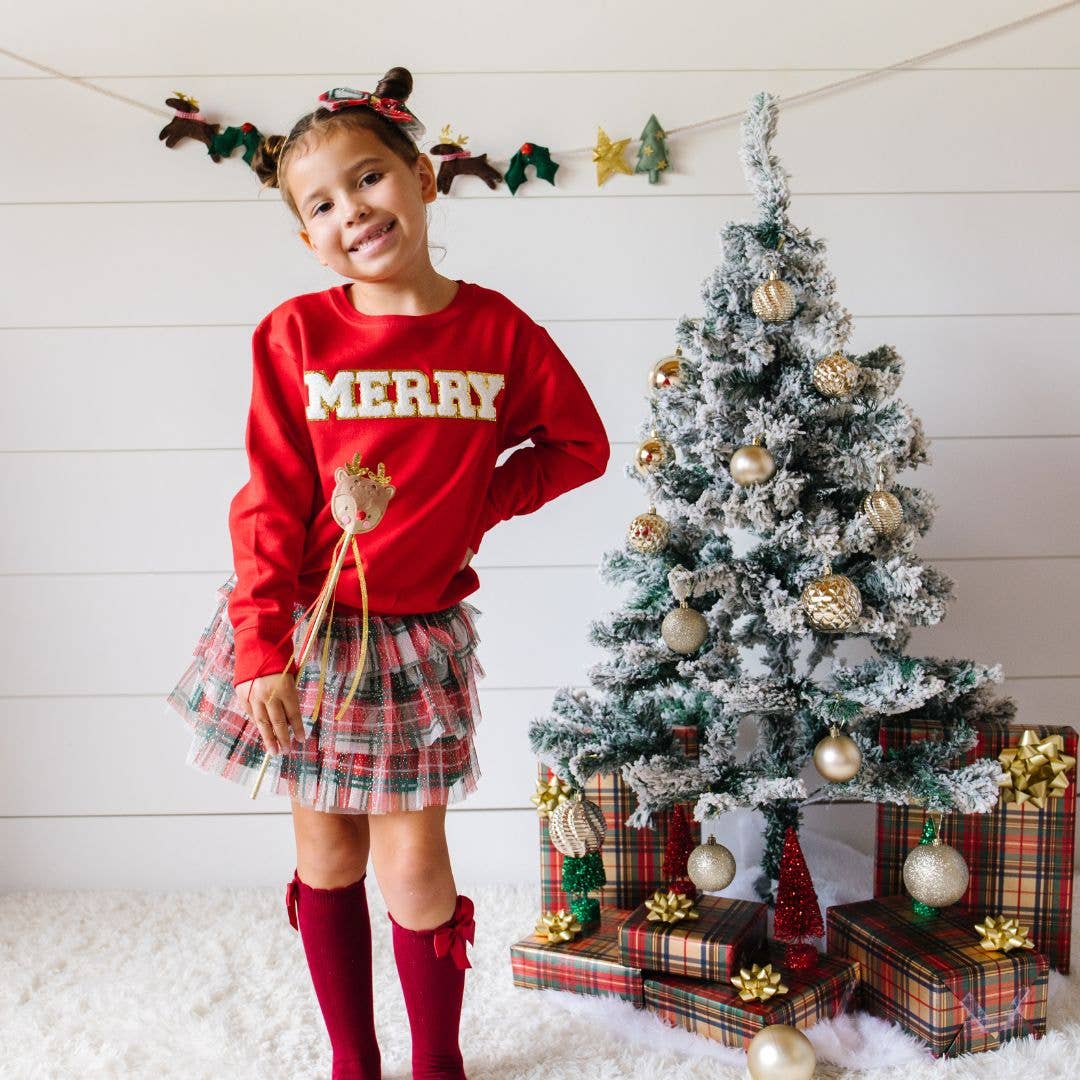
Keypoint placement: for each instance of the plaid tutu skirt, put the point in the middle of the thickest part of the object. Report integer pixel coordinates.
(403, 742)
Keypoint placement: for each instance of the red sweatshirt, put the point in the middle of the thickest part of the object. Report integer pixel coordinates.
(435, 399)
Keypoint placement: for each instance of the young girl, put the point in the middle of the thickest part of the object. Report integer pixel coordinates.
(406, 386)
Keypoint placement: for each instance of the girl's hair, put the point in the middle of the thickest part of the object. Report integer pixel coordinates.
(273, 154)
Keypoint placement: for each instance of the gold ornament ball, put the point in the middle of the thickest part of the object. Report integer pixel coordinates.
(836, 376)
(648, 533)
(773, 300)
(884, 511)
(710, 866)
(652, 453)
(837, 757)
(780, 1052)
(577, 827)
(935, 874)
(833, 602)
(684, 630)
(751, 464)
(665, 373)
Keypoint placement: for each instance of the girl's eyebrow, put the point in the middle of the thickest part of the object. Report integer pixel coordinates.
(362, 163)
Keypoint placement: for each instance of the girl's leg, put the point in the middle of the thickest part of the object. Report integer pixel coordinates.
(327, 903)
(431, 924)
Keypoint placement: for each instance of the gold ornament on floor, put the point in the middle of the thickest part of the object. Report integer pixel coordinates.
(666, 372)
(609, 158)
(773, 300)
(648, 533)
(1036, 770)
(550, 794)
(883, 510)
(833, 602)
(559, 925)
(935, 874)
(837, 757)
(836, 375)
(1003, 935)
(577, 827)
(780, 1052)
(684, 629)
(670, 907)
(751, 464)
(652, 453)
(710, 866)
(758, 983)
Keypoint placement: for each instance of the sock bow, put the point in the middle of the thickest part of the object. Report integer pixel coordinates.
(451, 937)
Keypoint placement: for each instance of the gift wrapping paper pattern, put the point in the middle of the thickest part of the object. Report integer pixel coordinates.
(710, 947)
(633, 858)
(589, 964)
(714, 1009)
(1020, 857)
(929, 974)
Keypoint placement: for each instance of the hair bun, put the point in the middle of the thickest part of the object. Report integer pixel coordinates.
(396, 83)
(264, 161)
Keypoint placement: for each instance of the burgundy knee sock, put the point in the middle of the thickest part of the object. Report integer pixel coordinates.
(431, 965)
(335, 927)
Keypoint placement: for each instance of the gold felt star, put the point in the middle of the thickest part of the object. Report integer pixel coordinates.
(608, 156)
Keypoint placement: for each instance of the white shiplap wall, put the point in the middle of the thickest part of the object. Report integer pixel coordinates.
(948, 196)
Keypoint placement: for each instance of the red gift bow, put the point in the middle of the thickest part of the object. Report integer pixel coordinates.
(452, 937)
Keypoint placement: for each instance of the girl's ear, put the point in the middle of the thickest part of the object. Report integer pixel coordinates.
(310, 246)
(428, 188)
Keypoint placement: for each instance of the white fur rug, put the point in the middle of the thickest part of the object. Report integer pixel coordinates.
(213, 984)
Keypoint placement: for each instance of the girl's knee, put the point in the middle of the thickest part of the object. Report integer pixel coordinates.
(331, 849)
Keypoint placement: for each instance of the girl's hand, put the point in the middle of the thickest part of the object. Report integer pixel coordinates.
(469, 553)
(275, 708)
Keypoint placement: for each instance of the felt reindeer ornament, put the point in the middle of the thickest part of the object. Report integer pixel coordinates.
(455, 160)
(358, 503)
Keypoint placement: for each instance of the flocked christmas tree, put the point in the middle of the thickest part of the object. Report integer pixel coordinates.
(765, 429)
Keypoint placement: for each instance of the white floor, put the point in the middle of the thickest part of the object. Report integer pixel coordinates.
(213, 984)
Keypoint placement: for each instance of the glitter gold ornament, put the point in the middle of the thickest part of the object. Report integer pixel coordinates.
(559, 925)
(670, 907)
(684, 629)
(577, 827)
(1003, 935)
(883, 510)
(751, 464)
(1036, 770)
(837, 757)
(833, 602)
(609, 158)
(648, 533)
(710, 866)
(773, 300)
(758, 983)
(836, 375)
(550, 794)
(935, 874)
(780, 1052)
(666, 372)
(652, 453)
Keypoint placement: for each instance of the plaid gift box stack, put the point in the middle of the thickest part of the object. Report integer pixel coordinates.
(589, 964)
(633, 858)
(716, 1011)
(929, 974)
(1020, 857)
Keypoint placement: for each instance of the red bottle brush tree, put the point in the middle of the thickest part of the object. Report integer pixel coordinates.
(677, 851)
(798, 915)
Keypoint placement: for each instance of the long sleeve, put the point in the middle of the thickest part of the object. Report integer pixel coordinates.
(547, 402)
(270, 514)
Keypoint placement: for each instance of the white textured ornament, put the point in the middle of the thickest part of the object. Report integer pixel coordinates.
(883, 510)
(684, 629)
(935, 874)
(577, 827)
(710, 866)
(648, 533)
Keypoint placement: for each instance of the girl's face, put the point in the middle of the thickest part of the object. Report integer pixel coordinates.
(351, 185)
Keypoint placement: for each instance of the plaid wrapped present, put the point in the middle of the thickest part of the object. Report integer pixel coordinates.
(716, 1011)
(633, 858)
(587, 965)
(1020, 857)
(929, 974)
(709, 947)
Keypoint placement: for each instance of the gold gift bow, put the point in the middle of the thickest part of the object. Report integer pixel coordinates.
(759, 983)
(1035, 770)
(670, 907)
(1002, 934)
(560, 925)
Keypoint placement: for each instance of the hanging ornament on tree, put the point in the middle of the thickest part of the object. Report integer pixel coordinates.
(837, 757)
(935, 874)
(609, 158)
(836, 376)
(666, 372)
(577, 826)
(648, 533)
(751, 464)
(454, 160)
(773, 300)
(652, 453)
(530, 154)
(780, 1052)
(711, 866)
(652, 155)
(883, 510)
(798, 915)
(833, 602)
(684, 629)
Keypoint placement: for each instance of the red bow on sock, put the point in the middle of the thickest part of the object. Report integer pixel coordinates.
(290, 903)
(451, 938)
